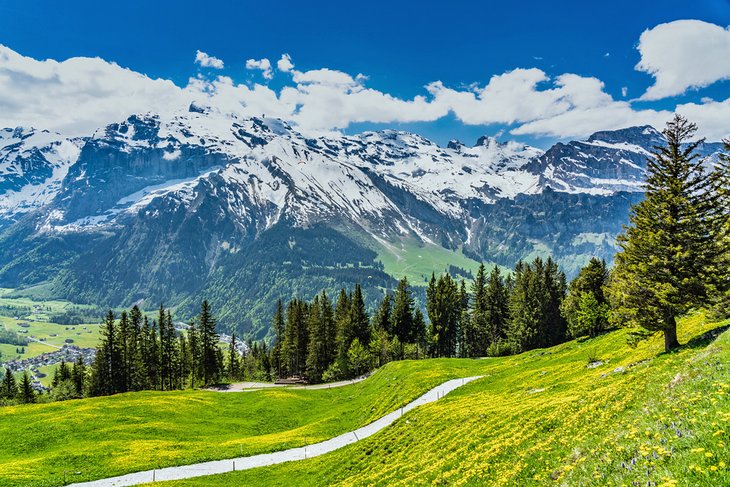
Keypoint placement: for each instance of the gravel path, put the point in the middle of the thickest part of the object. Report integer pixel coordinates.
(293, 454)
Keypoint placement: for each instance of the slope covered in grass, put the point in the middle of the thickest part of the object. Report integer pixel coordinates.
(101, 437)
(547, 417)
(535, 417)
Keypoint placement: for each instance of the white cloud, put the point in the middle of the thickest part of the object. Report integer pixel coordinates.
(79, 95)
(207, 61)
(583, 121)
(683, 54)
(624, 91)
(263, 65)
(285, 64)
(323, 76)
(517, 97)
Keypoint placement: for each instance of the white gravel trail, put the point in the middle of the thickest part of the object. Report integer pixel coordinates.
(266, 459)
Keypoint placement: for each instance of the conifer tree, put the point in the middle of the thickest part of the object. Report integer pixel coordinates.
(61, 374)
(359, 320)
(211, 356)
(671, 253)
(151, 354)
(522, 309)
(464, 320)
(475, 334)
(402, 317)
(167, 340)
(265, 362)
(105, 378)
(182, 364)
(344, 328)
(721, 309)
(444, 303)
(27, 394)
(136, 375)
(78, 376)
(585, 308)
(534, 306)
(553, 327)
(330, 329)
(290, 347)
(383, 315)
(234, 365)
(316, 353)
(194, 353)
(123, 339)
(496, 307)
(279, 330)
(9, 388)
(56, 379)
(296, 337)
(419, 328)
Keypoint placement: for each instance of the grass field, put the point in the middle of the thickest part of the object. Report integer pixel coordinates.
(12, 301)
(35, 313)
(53, 336)
(128, 432)
(538, 418)
(416, 260)
(546, 418)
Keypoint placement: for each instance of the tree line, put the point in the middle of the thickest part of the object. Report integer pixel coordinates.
(135, 355)
(497, 314)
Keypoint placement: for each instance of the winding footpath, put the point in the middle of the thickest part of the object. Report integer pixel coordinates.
(252, 386)
(266, 459)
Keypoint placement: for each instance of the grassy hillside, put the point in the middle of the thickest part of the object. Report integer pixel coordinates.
(416, 260)
(107, 436)
(535, 417)
(547, 418)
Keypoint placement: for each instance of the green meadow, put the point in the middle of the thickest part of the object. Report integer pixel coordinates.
(592, 412)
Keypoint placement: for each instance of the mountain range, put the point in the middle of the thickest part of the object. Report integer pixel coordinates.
(245, 211)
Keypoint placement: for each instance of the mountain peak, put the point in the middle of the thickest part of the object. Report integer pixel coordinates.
(455, 144)
(198, 108)
(645, 136)
(487, 140)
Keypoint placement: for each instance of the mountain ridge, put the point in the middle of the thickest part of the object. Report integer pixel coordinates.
(169, 209)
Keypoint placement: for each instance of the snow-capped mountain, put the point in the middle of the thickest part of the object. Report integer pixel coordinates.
(207, 203)
(32, 165)
(270, 171)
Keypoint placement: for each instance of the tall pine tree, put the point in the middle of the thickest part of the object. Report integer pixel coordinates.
(9, 388)
(402, 317)
(279, 329)
(671, 254)
(210, 359)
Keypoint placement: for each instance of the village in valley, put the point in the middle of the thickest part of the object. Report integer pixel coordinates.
(31, 341)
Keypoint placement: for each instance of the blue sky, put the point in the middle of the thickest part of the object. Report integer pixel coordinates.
(399, 46)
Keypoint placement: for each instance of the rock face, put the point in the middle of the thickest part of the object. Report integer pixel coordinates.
(245, 211)
(606, 163)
